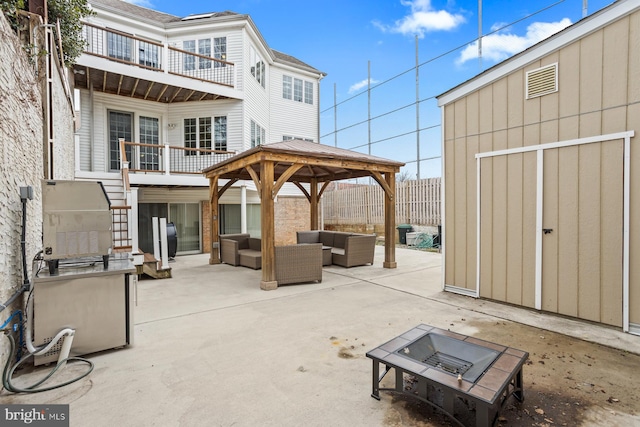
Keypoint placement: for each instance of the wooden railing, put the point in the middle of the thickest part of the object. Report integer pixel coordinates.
(169, 159)
(148, 54)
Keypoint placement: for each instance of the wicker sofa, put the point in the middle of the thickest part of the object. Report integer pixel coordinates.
(347, 249)
(298, 263)
(241, 249)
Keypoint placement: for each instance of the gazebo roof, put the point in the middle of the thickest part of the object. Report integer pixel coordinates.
(321, 162)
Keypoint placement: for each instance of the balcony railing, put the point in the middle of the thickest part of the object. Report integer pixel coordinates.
(131, 50)
(169, 159)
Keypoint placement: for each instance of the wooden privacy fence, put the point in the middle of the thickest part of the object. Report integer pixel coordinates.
(417, 203)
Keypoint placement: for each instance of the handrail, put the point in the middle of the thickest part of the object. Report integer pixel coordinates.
(169, 159)
(120, 33)
(198, 55)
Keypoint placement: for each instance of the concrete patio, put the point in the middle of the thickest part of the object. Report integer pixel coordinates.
(211, 348)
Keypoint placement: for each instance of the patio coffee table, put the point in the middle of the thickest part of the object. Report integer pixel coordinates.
(445, 365)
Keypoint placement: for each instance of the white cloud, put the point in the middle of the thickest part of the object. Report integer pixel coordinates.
(143, 3)
(499, 46)
(363, 83)
(422, 19)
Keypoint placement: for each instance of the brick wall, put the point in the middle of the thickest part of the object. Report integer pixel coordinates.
(291, 214)
(21, 130)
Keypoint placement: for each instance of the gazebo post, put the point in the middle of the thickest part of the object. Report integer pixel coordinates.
(214, 254)
(267, 226)
(314, 203)
(390, 222)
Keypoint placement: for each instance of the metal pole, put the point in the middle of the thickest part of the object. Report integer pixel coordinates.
(335, 116)
(480, 34)
(585, 5)
(369, 104)
(417, 110)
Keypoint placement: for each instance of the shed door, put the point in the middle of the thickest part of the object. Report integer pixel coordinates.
(582, 211)
(582, 254)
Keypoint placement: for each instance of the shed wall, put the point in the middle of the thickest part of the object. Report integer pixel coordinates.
(597, 94)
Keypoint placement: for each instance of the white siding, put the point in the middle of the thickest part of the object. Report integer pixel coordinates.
(256, 104)
(289, 117)
(84, 133)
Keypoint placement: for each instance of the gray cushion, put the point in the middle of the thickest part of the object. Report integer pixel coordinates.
(326, 238)
(339, 239)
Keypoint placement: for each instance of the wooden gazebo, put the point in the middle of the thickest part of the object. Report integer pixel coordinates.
(297, 161)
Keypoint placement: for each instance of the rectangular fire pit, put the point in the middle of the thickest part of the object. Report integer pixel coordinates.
(444, 365)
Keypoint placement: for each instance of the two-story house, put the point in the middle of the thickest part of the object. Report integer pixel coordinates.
(161, 97)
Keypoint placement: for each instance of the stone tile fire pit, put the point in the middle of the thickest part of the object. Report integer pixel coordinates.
(444, 365)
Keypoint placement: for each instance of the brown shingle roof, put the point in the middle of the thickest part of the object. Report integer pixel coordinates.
(283, 57)
(138, 11)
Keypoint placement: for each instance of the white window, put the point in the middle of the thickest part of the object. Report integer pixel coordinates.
(297, 90)
(287, 87)
(257, 134)
(220, 51)
(308, 93)
(199, 134)
(204, 49)
(257, 67)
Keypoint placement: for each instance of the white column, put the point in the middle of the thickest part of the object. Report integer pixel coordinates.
(167, 159)
(133, 220)
(243, 208)
(156, 237)
(164, 248)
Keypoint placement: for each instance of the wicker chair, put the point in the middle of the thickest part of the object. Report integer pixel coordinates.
(229, 245)
(298, 263)
(358, 250)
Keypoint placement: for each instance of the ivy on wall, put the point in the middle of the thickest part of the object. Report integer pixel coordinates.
(68, 12)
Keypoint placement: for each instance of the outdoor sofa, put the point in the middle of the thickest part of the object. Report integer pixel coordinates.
(241, 249)
(347, 249)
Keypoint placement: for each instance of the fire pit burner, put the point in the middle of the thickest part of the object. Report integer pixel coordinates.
(444, 365)
(447, 363)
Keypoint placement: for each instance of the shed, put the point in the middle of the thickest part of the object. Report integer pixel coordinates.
(300, 162)
(540, 170)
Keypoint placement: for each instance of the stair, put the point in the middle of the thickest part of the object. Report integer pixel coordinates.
(150, 268)
(120, 208)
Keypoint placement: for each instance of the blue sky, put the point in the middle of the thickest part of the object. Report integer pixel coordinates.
(340, 38)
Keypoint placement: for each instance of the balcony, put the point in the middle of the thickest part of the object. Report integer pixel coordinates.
(168, 159)
(122, 64)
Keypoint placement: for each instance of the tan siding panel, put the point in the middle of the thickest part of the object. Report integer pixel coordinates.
(529, 229)
(486, 224)
(531, 108)
(567, 231)
(614, 120)
(531, 134)
(473, 113)
(549, 131)
(449, 174)
(589, 232)
(568, 128)
(633, 86)
(633, 120)
(486, 109)
(472, 150)
(616, 53)
(611, 236)
(591, 72)
(514, 229)
(515, 93)
(460, 118)
(568, 82)
(550, 241)
(499, 220)
(460, 212)
(500, 104)
(590, 124)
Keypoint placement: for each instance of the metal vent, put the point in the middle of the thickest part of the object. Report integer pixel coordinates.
(542, 81)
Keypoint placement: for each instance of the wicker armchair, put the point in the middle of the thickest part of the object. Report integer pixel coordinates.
(298, 263)
(229, 245)
(358, 250)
